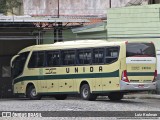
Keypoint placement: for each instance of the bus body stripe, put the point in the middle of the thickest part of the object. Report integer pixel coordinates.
(68, 76)
(78, 76)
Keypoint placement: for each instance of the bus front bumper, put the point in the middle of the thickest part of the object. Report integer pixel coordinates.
(137, 86)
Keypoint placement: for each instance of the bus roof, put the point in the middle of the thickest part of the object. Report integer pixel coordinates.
(71, 44)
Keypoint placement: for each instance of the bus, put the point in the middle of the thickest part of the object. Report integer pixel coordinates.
(158, 71)
(89, 68)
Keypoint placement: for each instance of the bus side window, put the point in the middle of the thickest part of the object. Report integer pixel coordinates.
(80, 57)
(40, 59)
(68, 57)
(84, 56)
(112, 54)
(32, 61)
(56, 59)
(49, 58)
(87, 57)
(98, 56)
(52, 58)
(36, 60)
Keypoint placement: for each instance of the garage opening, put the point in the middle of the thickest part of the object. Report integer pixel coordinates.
(17, 33)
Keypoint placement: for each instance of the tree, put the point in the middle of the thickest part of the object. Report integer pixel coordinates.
(2, 6)
(9, 5)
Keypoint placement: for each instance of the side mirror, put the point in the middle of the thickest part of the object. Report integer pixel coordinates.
(12, 60)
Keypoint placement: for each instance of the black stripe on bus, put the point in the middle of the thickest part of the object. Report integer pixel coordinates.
(80, 76)
(68, 76)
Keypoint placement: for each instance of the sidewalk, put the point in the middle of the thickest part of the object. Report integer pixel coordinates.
(142, 96)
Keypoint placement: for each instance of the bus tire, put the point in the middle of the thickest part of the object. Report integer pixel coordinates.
(31, 93)
(86, 93)
(60, 97)
(115, 96)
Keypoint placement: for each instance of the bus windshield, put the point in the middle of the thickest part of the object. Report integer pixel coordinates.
(140, 50)
(18, 64)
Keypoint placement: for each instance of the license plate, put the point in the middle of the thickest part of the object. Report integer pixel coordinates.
(141, 86)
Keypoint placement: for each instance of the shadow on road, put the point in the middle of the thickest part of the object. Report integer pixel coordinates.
(126, 101)
(102, 100)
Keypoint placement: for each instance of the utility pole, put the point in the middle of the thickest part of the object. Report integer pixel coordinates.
(58, 31)
(152, 2)
(110, 3)
(58, 8)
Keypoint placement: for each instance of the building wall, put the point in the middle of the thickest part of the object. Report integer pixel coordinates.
(48, 36)
(135, 23)
(95, 31)
(67, 7)
(72, 7)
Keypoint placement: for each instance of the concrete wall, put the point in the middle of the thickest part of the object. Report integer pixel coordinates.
(67, 7)
(72, 7)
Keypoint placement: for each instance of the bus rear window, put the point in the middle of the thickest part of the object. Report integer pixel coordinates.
(140, 50)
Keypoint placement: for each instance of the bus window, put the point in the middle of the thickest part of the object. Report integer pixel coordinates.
(112, 54)
(18, 64)
(36, 60)
(87, 57)
(80, 57)
(52, 58)
(68, 57)
(40, 59)
(98, 56)
(84, 56)
(140, 49)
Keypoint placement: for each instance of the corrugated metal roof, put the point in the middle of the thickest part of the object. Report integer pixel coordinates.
(91, 28)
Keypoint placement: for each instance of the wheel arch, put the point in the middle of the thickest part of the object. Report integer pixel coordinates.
(28, 85)
(82, 83)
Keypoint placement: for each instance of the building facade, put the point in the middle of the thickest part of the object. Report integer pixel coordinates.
(75, 7)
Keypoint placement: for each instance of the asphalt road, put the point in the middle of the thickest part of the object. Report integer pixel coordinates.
(76, 104)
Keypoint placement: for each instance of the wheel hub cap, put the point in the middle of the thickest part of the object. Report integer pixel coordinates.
(33, 92)
(85, 93)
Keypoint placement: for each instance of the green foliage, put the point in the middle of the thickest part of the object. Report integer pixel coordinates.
(2, 6)
(8, 5)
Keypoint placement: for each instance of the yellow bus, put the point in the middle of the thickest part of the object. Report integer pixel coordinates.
(90, 68)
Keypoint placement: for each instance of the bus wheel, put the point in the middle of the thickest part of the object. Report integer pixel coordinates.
(31, 93)
(60, 97)
(115, 96)
(86, 94)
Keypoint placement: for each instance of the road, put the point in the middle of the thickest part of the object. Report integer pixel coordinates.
(76, 104)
